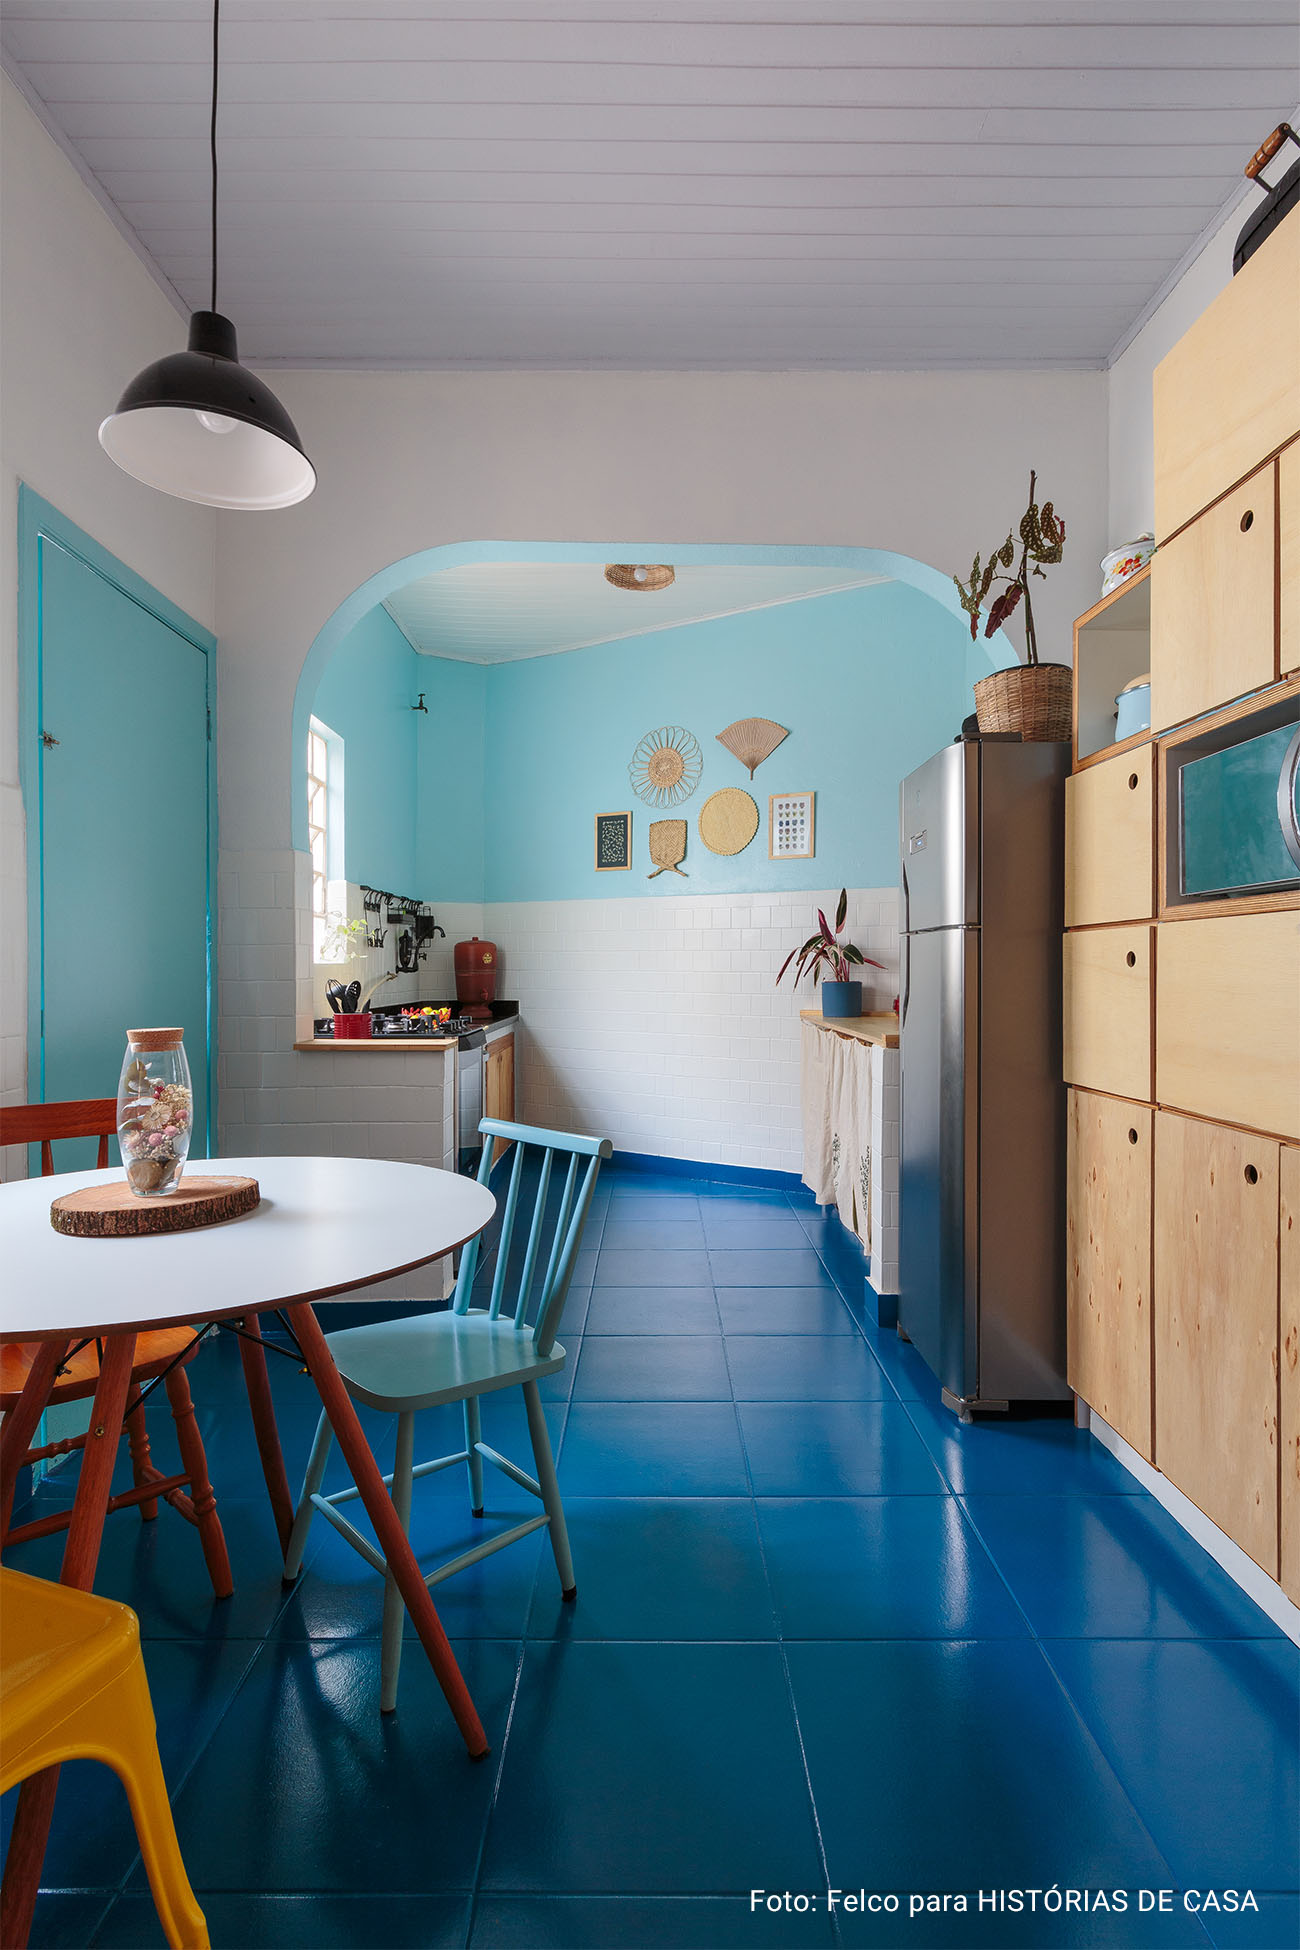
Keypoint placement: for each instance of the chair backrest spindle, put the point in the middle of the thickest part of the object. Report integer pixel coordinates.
(507, 1232)
(534, 1239)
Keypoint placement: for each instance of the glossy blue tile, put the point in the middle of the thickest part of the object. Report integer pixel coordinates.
(66, 1920)
(716, 1197)
(960, 1765)
(638, 1923)
(652, 1368)
(795, 1368)
(679, 1568)
(653, 1310)
(660, 1235)
(836, 1449)
(784, 1310)
(907, 1372)
(325, 1920)
(768, 1266)
(652, 1449)
(701, 1791)
(731, 1231)
(1036, 1456)
(656, 1205)
(1030, 1928)
(1204, 1738)
(1111, 1567)
(339, 1796)
(894, 1567)
(618, 1267)
(92, 1838)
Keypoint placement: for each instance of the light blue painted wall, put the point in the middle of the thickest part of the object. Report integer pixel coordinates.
(365, 694)
(869, 681)
(449, 859)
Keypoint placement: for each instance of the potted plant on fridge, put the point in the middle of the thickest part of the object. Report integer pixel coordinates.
(1032, 698)
(824, 950)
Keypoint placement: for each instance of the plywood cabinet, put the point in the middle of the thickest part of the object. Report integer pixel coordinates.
(1108, 1245)
(1216, 1325)
(1214, 606)
(1228, 394)
(1108, 841)
(1228, 1018)
(1289, 1381)
(1288, 529)
(1107, 1028)
(499, 1084)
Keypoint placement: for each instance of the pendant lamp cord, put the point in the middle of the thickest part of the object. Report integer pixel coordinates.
(212, 141)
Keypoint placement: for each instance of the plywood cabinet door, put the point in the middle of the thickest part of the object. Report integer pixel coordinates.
(1288, 528)
(1214, 606)
(1216, 1325)
(1108, 1246)
(1228, 1018)
(1289, 1404)
(1108, 841)
(1107, 1041)
(1228, 394)
(499, 1085)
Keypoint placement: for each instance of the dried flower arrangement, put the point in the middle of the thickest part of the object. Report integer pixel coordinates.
(825, 950)
(153, 1129)
(1042, 537)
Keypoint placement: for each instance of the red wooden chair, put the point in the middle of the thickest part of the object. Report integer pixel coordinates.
(163, 1353)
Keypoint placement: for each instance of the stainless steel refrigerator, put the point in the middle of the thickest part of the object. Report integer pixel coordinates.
(982, 1180)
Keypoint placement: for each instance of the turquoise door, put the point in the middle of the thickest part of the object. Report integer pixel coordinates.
(122, 757)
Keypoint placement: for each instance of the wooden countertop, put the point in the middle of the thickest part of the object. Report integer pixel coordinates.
(865, 1029)
(404, 1045)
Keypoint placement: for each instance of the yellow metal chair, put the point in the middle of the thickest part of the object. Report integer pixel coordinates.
(73, 1687)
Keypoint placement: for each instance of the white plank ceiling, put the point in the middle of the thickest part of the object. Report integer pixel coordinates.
(668, 183)
(498, 612)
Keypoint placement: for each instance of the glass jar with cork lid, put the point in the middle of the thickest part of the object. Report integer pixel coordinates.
(155, 1110)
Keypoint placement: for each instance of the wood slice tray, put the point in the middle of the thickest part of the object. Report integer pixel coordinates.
(114, 1212)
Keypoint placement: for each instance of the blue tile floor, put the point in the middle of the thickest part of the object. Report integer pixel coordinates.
(824, 1637)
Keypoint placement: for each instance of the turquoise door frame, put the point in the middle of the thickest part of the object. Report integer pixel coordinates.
(42, 527)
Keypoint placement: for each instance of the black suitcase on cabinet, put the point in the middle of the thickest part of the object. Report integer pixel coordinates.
(1279, 200)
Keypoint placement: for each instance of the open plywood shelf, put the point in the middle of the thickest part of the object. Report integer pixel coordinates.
(1112, 646)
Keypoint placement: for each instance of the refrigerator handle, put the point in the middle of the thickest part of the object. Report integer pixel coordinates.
(907, 981)
(907, 899)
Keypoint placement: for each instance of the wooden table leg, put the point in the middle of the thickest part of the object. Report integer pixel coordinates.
(392, 1538)
(81, 1554)
(257, 1384)
(19, 1424)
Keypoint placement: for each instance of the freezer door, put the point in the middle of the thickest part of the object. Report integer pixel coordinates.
(938, 1297)
(940, 840)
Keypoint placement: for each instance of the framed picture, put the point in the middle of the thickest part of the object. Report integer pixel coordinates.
(613, 842)
(790, 826)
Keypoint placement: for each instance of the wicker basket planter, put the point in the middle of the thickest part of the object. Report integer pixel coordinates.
(1033, 699)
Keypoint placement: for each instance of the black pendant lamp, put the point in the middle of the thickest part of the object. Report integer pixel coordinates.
(199, 425)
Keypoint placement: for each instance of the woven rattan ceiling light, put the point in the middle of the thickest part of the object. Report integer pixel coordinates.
(640, 575)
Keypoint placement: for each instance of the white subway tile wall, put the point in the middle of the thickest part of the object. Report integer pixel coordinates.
(13, 968)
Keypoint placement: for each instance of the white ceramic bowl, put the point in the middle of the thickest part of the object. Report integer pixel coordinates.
(1125, 561)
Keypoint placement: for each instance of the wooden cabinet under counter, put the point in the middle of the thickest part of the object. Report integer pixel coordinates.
(1107, 1007)
(1228, 1018)
(1108, 841)
(1288, 546)
(1289, 1348)
(499, 1084)
(1108, 1245)
(1214, 606)
(1216, 1325)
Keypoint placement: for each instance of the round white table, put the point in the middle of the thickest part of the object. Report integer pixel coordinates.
(324, 1226)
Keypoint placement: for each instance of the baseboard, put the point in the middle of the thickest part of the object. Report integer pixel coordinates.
(644, 1161)
(1241, 1569)
(886, 1305)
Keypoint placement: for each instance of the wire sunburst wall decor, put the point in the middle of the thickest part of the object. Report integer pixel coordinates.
(666, 766)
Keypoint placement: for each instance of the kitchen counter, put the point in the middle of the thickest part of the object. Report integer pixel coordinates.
(881, 1030)
(403, 1045)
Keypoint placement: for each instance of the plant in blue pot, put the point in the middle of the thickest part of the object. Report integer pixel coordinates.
(825, 951)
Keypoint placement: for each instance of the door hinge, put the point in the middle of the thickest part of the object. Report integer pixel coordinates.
(47, 739)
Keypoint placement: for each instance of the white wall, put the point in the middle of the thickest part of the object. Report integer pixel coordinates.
(79, 314)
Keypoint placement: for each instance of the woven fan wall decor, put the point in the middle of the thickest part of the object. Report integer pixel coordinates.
(667, 847)
(728, 820)
(666, 766)
(751, 740)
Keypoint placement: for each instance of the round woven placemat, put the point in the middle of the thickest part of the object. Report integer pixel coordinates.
(114, 1212)
(728, 820)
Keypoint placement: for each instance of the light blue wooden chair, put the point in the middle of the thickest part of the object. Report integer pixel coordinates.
(420, 1361)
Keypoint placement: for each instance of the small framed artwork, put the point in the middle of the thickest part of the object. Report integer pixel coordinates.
(790, 826)
(613, 842)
